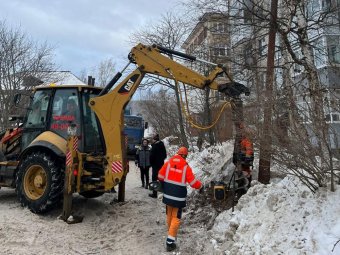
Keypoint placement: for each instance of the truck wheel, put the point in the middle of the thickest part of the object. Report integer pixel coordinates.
(91, 194)
(40, 182)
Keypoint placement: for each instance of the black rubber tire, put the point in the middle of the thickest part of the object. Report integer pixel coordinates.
(91, 194)
(53, 193)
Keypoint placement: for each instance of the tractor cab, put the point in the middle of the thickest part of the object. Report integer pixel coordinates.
(54, 109)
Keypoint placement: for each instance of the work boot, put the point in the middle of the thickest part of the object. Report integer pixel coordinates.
(142, 185)
(147, 186)
(170, 246)
(153, 195)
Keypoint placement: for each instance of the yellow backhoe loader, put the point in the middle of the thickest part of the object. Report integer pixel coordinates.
(71, 139)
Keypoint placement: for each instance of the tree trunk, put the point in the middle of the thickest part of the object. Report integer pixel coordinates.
(181, 120)
(208, 116)
(266, 138)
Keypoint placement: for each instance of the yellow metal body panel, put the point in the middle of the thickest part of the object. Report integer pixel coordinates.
(9, 163)
(52, 138)
(150, 60)
(109, 110)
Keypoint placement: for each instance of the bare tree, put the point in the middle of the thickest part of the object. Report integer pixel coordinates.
(102, 72)
(105, 71)
(20, 60)
(308, 133)
(311, 93)
(83, 75)
(155, 108)
(169, 32)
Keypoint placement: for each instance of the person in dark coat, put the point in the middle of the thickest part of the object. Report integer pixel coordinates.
(143, 162)
(158, 155)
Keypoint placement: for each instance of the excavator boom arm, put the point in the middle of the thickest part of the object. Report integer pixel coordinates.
(109, 105)
(150, 60)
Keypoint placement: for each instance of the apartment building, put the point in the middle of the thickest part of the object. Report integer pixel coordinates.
(249, 39)
(209, 40)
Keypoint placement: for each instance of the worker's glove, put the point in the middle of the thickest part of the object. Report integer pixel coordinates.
(136, 162)
(201, 190)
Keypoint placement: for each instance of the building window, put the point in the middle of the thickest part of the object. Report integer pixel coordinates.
(248, 55)
(219, 27)
(262, 47)
(335, 117)
(200, 37)
(329, 5)
(313, 7)
(219, 51)
(334, 53)
(327, 117)
(262, 81)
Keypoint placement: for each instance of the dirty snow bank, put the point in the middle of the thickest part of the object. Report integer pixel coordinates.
(282, 218)
(208, 163)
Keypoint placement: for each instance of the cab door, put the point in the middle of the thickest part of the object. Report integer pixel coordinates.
(37, 117)
(65, 111)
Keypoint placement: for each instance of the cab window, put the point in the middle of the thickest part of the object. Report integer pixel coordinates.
(92, 139)
(65, 111)
(36, 117)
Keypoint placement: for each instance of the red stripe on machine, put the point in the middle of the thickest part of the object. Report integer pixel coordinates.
(116, 167)
(69, 158)
(75, 143)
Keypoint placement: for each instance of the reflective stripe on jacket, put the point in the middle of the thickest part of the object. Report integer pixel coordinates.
(175, 174)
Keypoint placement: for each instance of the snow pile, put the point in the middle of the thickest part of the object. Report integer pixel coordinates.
(208, 164)
(281, 218)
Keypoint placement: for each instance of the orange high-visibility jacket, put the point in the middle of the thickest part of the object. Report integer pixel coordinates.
(175, 174)
(247, 147)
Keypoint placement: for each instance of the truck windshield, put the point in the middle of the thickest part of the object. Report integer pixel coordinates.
(134, 122)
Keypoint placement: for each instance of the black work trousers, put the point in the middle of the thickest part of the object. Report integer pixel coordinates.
(144, 175)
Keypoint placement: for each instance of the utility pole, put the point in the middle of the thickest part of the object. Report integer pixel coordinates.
(266, 138)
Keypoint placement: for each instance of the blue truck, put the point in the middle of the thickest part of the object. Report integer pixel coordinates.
(134, 127)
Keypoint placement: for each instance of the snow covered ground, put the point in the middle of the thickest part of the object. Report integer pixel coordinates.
(134, 227)
(280, 218)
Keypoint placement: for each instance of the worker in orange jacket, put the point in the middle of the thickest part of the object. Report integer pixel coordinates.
(174, 175)
(246, 154)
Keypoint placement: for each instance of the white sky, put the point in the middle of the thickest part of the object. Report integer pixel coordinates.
(84, 32)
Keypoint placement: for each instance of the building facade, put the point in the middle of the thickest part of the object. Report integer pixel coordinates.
(209, 40)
